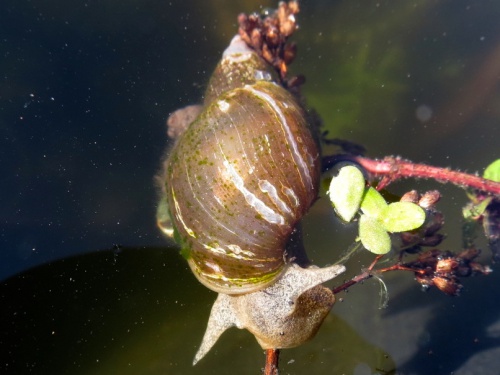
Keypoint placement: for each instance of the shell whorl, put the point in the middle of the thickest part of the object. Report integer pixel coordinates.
(241, 176)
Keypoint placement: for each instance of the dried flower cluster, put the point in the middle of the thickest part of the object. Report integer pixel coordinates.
(443, 269)
(268, 34)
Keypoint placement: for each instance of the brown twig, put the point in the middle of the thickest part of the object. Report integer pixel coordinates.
(394, 168)
(272, 359)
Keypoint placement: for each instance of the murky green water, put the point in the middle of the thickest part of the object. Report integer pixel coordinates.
(141, 312)
(86, 88)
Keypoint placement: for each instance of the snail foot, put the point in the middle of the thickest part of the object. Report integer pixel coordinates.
(283, 315)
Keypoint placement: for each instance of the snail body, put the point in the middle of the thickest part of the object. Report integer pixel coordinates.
(237, 182)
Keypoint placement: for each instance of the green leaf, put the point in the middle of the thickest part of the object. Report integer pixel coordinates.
(474, 211)
(402, 216)
(373, 203)
(492, 171)
(346, 191)
(373, 235)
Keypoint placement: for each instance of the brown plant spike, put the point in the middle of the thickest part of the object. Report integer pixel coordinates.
(441, 269)
(268, 36)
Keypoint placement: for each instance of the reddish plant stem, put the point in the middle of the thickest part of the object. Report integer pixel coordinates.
(362, 276)
(369, 272)
(394, 168)
(272, 359)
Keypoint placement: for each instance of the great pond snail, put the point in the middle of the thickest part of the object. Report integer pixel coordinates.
(235, 185)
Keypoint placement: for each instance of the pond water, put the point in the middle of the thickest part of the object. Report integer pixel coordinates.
(90, 286)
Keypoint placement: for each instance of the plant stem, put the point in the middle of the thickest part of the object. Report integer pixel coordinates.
(272, 359)
(362, 276)
(394, 168)
(366, 274)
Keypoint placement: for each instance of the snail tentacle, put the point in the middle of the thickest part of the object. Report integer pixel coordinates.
(221, 318)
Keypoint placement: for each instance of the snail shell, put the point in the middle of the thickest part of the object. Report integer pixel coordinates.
(241, 176)
(236, 183)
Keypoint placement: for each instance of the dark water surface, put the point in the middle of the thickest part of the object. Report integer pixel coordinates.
(84, 93)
